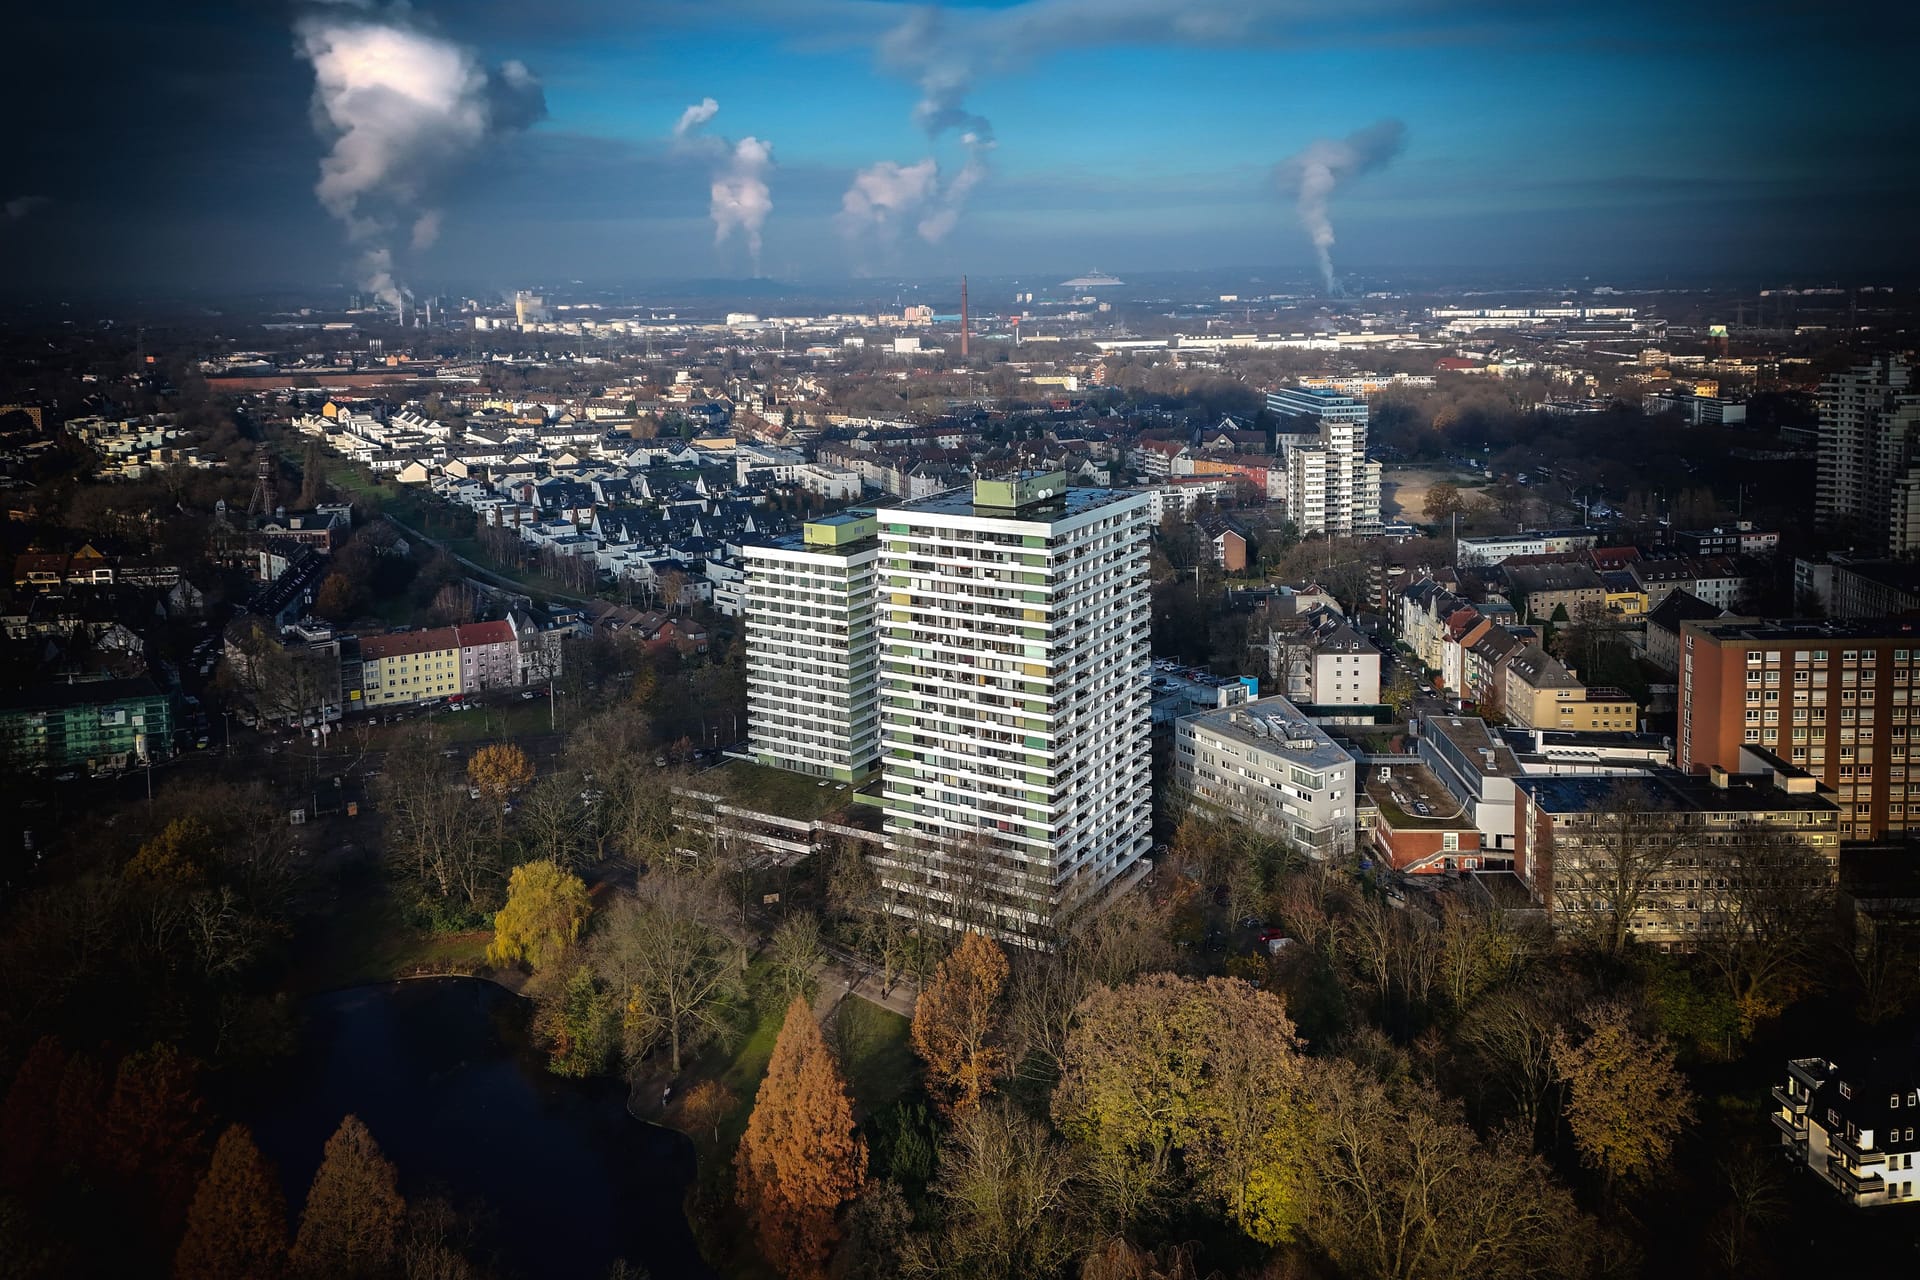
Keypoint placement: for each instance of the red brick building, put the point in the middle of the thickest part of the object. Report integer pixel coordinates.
(1832, 698)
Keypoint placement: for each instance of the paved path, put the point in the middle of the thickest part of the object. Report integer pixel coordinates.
(846, 975)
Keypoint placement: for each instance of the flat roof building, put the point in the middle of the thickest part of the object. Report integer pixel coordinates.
(1265, 764)
(1832, 698)
(812, 666)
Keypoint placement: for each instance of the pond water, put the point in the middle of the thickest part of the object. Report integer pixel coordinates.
(444, 1074)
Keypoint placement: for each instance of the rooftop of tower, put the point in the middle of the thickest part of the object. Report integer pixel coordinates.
(1045, 496)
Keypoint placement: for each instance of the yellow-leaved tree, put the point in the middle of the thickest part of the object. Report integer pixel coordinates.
(499, 769)
(546, 907)
(1626, 1100)
(1167, 1074)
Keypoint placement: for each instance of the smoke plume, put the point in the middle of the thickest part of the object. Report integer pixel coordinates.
(695, 116)
(885, 194)
(740, 199)
(400, 107)
(1326, 164)
(945, 53)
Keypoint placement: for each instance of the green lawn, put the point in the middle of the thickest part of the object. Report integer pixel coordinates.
(879, 1061)
(776, 791)
(872, 1041)
(369, 939)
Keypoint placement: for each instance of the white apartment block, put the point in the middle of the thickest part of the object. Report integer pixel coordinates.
(1265, 764)
(1014, 713)
(1330, 485)
(1854, 1126)
(1326, 662)
(1869, 456)
(811, 664)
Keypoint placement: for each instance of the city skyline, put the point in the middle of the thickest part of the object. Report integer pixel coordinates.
(839, 139)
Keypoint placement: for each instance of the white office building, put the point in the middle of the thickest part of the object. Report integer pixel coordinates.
(1263, 763)
(1014, 716)
(1330, 486)
(812, 683)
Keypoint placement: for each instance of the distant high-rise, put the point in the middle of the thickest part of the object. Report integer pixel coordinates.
(1014, 683)
(1331, 487)
(811, 667)
(1869, 456)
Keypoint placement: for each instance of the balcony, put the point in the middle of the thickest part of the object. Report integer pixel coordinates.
(1852, 1181)
(1795, 1128)
(1845, 1149)
(1794, 1102)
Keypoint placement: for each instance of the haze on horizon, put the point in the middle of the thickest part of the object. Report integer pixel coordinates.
(246, 145)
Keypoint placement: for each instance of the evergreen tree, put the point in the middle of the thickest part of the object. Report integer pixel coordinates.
(237, 1226)
(351, 1223)
(802, 1156)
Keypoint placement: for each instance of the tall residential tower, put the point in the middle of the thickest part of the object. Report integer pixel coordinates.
(811, 686)
(1014, 716)
(1331, 487)
(1869, 476)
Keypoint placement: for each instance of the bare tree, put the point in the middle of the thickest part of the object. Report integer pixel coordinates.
(1009, 1209)
(1510, 1034)
(1767, 917)
(1402, 1190)
(1605, 862)
(1477, 948)
(678, 972)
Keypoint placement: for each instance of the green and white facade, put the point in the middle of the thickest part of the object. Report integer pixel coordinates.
(1014, 681)
(811, 680)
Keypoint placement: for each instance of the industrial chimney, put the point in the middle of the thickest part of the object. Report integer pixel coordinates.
(965, 326)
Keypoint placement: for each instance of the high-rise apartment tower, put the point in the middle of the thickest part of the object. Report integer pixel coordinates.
(1869, 456)
(811, 666)
(1014, 681)
(1331, 487)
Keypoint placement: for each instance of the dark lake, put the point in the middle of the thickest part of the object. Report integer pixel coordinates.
(444, 1073)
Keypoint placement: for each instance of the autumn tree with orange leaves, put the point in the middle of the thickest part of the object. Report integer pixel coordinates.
(957, 1024)
(237, 1227)
(353, 1215)
(802, 1156)
(498, 769)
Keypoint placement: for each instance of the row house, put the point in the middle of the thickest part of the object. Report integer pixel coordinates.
(1718, 580)
(1325, 662)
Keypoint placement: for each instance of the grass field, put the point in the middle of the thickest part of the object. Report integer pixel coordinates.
(790, 795)
(370, 939)
(871, 1041)
(1403, 490)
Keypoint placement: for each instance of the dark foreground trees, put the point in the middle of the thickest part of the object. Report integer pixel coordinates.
(237, 1227)
(353, 1215)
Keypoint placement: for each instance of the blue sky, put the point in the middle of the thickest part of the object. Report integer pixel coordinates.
(1764, 137)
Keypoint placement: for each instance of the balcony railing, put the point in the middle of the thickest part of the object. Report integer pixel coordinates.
(1853, 1181)
(1846, 1149)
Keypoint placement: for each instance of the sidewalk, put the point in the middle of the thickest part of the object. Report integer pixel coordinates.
(842, 977)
